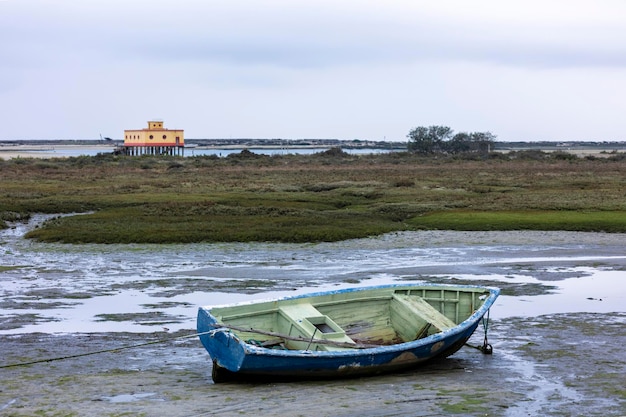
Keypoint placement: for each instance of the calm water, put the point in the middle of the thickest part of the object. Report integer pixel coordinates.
(62, 152)
(56, 288)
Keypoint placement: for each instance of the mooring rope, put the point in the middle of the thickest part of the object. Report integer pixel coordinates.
(217, 327)
(98, 352)
(486, 348)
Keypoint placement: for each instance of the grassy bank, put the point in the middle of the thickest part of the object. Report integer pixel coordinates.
(297, 198)
(579, 221)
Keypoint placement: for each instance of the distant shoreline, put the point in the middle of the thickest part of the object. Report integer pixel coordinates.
(47, 148)
(43, 151)
(221, 143)
(241, 143)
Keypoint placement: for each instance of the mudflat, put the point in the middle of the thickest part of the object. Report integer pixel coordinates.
(570, 364)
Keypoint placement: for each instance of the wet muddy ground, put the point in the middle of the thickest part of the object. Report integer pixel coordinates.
(559, 365)
(558, 330)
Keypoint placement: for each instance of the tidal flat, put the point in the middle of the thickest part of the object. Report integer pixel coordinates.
(557, 330)
(555, 365)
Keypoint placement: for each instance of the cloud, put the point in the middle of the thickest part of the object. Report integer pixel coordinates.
(326, 34)
(296, 37)
(353, 68)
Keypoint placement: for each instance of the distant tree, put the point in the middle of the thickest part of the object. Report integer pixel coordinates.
(479, 142)
(459, 143)
(482, 142)
(439, 139)
(428, 140)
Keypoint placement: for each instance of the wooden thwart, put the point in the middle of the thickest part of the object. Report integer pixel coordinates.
(425, 311)
(307, 321)
(298, 339)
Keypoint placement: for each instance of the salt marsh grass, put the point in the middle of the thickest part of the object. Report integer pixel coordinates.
(302, 198)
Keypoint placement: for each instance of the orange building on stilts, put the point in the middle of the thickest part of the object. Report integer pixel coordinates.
(155, 140)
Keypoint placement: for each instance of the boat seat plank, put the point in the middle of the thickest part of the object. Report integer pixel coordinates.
(424, 310)
(308, 322)
(300, 311)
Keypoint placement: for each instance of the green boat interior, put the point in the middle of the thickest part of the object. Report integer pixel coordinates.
(351, 320)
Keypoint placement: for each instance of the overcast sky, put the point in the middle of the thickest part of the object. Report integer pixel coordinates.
(347, 69)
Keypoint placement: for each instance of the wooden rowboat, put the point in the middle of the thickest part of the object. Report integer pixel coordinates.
(349, 332)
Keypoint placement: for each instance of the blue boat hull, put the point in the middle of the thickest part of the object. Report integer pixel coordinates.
(233, 358)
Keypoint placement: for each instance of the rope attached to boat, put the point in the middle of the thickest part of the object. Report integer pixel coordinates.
(486, 348)
(60, 358)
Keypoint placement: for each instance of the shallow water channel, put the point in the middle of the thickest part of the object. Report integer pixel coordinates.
(551, 281)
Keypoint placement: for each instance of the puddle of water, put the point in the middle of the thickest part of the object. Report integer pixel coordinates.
(129, 398)
(600, 292)
(8, 404)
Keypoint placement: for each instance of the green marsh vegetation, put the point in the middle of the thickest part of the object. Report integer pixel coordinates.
(328, 196)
